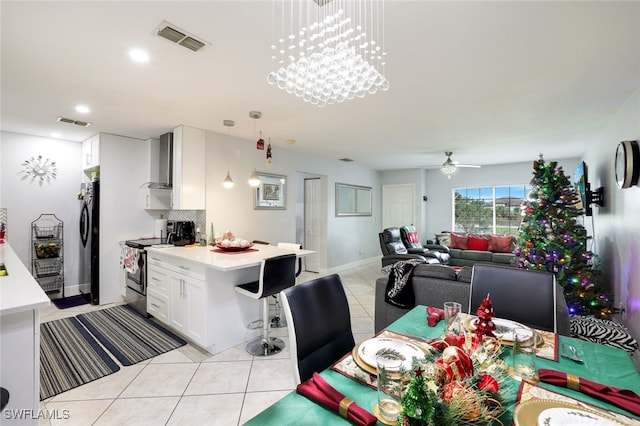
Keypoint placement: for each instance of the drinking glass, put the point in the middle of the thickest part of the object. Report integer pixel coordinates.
(389, 387)
(524, 353)
(451, 311)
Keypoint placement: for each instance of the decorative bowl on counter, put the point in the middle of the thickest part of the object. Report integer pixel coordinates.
(233, 248)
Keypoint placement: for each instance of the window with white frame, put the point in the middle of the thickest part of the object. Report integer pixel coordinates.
(491, 209)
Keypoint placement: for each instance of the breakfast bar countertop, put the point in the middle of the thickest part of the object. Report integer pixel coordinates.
(213, 257)
(19, 291)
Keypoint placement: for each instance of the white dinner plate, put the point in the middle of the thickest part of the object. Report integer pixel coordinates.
(504, 329)
(561, 416)
(369, 350)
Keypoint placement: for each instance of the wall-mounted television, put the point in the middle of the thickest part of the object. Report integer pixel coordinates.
(587, 197)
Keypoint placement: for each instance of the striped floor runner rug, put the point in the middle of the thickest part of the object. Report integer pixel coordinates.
(70, 357)
(129, 336)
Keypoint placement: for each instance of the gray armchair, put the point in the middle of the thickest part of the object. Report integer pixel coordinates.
(412, 242)
(393, 250)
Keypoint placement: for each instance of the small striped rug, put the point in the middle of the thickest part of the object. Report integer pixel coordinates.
(70, 357)
(129, 336)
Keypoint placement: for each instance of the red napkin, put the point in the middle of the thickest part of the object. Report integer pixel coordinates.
(434, 315)
(623, 398)
(318, 390)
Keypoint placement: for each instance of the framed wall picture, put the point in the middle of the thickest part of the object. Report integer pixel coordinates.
(353, 200)
(271, 193)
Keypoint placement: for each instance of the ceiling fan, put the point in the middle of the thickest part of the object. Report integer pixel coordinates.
(449, 167)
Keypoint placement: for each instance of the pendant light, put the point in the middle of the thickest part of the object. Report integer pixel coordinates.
(254, 180)
(228, 182)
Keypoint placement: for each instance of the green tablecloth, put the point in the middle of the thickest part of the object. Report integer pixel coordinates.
(602, 364)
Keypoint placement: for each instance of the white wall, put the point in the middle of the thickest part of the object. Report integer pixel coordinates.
(617, 226)
(26, 200)
(350, 240)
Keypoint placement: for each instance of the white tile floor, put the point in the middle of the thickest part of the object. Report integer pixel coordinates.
(188, 386)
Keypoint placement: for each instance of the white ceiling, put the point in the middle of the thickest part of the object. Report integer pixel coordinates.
(494, 82)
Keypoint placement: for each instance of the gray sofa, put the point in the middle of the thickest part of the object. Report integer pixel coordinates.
(460, 257)
(434, 285)
(467, 257)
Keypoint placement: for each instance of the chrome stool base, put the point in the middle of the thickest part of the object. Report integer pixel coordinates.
(260, 347)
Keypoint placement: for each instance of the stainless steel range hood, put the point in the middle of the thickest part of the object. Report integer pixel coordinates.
(165, 173)
(164, 164)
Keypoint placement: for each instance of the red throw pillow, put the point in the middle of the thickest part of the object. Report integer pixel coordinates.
(500, 243)
(478, 243)
(413, 237)
(459, 241)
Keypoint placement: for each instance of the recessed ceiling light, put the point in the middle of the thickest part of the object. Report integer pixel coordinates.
(139, 55)
(55, 134)
(82, 109)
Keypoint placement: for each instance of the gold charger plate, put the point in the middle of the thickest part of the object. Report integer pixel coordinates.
(366, 367)
(527, 413)
(355, 352)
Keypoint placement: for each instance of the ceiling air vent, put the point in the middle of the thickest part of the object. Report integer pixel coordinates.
(174, 34)
(72, 121)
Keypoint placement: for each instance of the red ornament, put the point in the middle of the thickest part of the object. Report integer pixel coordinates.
(456, 363)
(454, 340)
(488, 382)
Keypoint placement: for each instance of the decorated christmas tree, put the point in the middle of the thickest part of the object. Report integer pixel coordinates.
(552, 240)
(418, 408)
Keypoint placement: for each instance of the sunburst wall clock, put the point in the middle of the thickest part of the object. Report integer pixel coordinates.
(39, 169)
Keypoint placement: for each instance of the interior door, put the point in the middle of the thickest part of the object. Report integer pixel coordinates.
(312, 222)
(398, 205)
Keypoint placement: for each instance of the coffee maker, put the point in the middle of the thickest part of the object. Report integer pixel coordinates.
(181, 232)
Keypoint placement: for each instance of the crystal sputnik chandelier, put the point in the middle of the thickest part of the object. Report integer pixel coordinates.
(328, 51)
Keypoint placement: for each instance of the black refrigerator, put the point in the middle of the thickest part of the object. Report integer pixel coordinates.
(89, 243)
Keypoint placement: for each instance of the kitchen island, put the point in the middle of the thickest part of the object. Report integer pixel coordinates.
(21, 299)
(191, 290)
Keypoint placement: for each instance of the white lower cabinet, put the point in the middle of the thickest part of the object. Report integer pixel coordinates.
(177, 296)
(158, 306)
(186, 312)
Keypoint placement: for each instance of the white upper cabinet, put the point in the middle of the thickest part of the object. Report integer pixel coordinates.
(188, 168)
(91, 154)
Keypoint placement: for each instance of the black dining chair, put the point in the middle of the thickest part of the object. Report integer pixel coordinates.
(319, 321)
(521, 295)
(276, 274)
